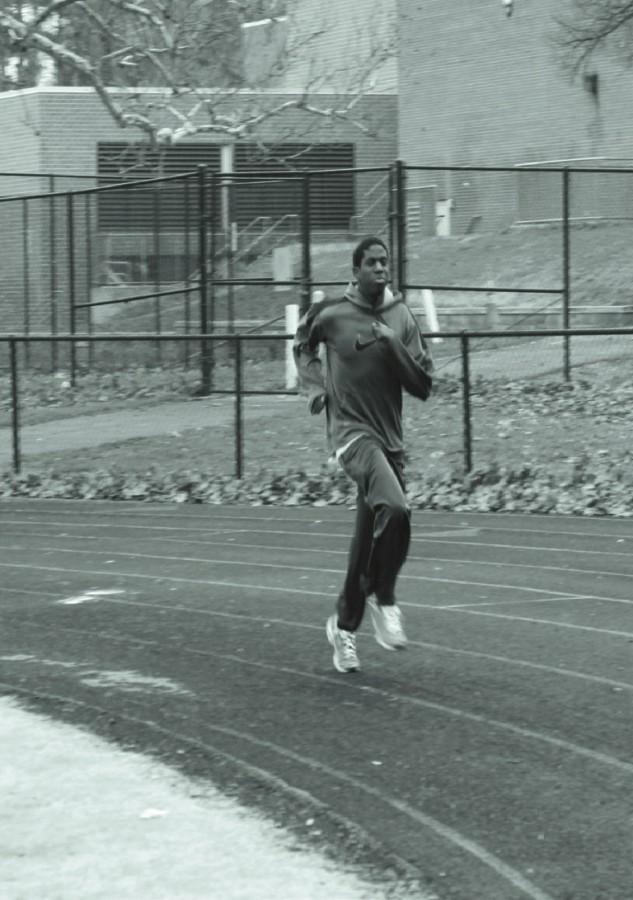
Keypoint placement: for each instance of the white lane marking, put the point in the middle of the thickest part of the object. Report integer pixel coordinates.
(239, 563)
(13, 590)
(533, 601)
(219, 513)
(276, 589)
(118, 525)
(481, 545)
(531, 621)
(91, 596)
(563, 570)
(559, 743)
(426, 645)
(445, 831)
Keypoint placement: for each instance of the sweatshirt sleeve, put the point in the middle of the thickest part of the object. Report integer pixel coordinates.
(413, 359)
(306, 353)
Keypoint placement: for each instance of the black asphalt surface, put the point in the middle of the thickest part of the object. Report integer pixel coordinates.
(493, 760)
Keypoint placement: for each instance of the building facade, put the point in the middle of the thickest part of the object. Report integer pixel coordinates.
(62, 139)
(480, 87)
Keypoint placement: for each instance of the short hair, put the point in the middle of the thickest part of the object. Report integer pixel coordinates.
(359, 250)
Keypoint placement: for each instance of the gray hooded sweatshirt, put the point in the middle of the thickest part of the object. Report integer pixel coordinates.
(363, 384)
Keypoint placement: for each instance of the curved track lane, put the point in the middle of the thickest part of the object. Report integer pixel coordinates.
(491, 761)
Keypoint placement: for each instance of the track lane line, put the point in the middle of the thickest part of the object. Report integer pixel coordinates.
(117, 525)
(283, 589)
(595, 756)
(321, 550)
(220, 512)
(426, 645)
(282, 567)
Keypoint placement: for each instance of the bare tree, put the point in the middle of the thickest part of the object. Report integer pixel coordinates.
(591, 25)
(171, 68)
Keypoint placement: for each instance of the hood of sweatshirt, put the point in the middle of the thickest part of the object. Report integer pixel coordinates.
(389, 299)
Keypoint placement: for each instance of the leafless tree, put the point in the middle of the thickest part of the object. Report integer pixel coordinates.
(590, 25)
(172, 68)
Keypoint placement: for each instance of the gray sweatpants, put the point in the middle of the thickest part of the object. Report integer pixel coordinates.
(382, 530)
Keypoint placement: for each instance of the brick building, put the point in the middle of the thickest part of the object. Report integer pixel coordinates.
(477, 87)
(66, 131)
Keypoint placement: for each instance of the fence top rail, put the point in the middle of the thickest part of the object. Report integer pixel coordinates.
(523, 167)
(275, 336)
(101, 188)
(49, 175)
(299, 173)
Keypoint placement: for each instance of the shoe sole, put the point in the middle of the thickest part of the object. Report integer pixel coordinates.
(330, 636)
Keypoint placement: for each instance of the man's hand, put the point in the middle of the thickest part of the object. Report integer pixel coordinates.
(317, 403)
(382, 332)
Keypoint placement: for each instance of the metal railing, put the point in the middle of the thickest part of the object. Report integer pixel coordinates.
(65, 273)
(237, 341)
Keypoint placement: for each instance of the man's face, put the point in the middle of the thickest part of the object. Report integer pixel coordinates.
(373, 273)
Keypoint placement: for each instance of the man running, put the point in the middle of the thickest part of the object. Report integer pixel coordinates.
(374, 349)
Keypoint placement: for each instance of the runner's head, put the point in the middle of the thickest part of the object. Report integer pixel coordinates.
(370, 264)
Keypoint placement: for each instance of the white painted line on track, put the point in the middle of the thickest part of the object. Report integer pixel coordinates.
(426, 645)
(91, 596)
(531, 621)
(531, 601)
(442, 648)
(13, 590)
(513, 876)
(170, 511)
(277, 589)
(454, 561)
(483, 544)
(283, 567)
(531, 734)
(118, 525)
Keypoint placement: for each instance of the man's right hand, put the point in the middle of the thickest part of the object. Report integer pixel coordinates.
(317, 403)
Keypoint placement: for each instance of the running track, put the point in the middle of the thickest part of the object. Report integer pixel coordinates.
(491, 761)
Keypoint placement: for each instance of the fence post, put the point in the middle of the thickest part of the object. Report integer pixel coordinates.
(186, 274)
(306, 264)
(468, 434)
(70, 226)
(392, 213)
(15, 421)
(89, 277)
(401, 226)
(156, 215)
(205, 361)
(566, 276)
(52, 225)
(25, 276)
(239, 437)
(213, 248)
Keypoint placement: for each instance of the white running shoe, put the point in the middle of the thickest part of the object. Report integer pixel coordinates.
(344, 643)
(388, 625)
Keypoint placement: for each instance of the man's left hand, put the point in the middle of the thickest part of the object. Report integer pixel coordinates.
(382, 332)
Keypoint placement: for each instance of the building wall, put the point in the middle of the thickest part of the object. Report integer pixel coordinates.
(480, 88)
(328, 45)
(71, 123)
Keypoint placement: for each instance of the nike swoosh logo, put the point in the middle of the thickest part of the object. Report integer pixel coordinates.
(362, 345)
